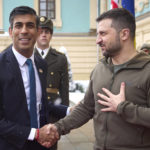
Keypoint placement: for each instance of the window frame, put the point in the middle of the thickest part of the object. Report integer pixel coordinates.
(46, 10)
(57, 21)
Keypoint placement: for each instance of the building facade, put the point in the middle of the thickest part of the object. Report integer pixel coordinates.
(75, 27)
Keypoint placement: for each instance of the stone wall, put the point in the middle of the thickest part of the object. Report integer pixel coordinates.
(82, 52)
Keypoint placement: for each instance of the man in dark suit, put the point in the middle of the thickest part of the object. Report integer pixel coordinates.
(57, 74)
(19, 130)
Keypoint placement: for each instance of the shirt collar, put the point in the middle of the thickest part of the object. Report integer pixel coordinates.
(45, 51)
(20, 58)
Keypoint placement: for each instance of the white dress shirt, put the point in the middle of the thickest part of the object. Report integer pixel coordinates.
(45, 52)
(25, 76)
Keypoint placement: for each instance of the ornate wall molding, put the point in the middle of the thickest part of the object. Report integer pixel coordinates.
(140, 5)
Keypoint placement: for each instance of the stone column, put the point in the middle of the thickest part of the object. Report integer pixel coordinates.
(103, 6)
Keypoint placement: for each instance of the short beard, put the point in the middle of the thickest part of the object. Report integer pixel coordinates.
(111, 53)
(114, 50)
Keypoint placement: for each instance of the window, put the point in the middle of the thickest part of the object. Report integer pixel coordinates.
(47, 8)
(57, 11)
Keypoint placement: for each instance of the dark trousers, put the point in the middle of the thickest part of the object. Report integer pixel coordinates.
(33, 145)
(54, 147)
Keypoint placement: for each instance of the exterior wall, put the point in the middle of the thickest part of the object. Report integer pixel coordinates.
(141, 7)
(142, 22)
(143, 32)
(57, 22)
(82, 53)
(1, 16)
(79, 17)
(75, 16)
(93, 14)
(9, 5)
(81, 50)
(72, 16)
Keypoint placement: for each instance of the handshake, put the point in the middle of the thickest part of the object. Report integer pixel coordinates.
(47, 135)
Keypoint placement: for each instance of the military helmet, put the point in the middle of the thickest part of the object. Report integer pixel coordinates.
(46, 23)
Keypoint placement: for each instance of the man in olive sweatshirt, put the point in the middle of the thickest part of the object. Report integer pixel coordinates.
(118, 96)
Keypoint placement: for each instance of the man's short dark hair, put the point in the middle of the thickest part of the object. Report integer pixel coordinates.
(121, 18)
(22, 10)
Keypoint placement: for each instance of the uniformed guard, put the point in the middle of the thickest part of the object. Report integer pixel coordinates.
(57, 75)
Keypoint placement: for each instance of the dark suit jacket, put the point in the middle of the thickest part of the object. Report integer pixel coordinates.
(14, 115)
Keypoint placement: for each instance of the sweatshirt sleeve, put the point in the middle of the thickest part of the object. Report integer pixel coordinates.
(134, 113)
(80, 115)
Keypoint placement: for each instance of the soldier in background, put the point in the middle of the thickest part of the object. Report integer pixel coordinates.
(146, 48)
(57, 74)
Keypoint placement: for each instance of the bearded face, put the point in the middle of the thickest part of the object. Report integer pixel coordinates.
(108, 38)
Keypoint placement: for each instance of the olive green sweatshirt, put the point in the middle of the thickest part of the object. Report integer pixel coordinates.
(129, 128)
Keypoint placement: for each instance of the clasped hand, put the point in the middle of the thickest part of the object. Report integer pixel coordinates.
(48, 135)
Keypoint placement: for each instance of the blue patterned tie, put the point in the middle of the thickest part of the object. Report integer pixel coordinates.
(33, 112)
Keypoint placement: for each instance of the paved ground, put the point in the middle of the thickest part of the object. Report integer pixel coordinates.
(79, 139)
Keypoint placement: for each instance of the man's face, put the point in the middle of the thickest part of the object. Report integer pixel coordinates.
(24, 33)
(108, 38)
(44, 38)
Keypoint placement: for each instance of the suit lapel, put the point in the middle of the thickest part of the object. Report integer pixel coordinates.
(41, 69)
(14, 69)
(40, 72)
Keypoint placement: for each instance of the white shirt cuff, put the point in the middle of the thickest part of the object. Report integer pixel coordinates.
(68, 111)
(32, 134)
